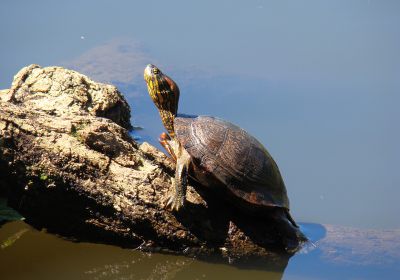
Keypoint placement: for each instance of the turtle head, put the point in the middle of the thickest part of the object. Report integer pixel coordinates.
(165, 94)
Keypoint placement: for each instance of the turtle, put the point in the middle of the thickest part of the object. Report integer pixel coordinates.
(220, 156)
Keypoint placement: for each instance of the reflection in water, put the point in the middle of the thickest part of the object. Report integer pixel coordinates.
(139, 268)
(7, 213)
(118, 60)
(12, 239)
(155, 267)
(37, 254)
(30, 253)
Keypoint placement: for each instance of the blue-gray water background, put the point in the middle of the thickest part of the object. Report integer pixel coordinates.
(317, 82)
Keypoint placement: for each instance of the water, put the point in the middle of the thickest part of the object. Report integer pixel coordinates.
(28, 253)
(316, 82)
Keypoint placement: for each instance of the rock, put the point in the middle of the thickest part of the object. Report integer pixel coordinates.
(61, 92)
(69, 164)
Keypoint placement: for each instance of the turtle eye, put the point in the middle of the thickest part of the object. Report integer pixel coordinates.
(155, 71)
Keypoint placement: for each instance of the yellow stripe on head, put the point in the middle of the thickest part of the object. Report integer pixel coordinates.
(165, 94)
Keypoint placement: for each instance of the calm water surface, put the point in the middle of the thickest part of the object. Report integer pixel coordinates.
(316, 82)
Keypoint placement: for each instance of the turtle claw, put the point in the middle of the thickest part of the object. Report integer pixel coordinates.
(173, 203)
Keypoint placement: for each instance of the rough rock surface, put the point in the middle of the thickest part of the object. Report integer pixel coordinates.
(69, 164)
(61, 92)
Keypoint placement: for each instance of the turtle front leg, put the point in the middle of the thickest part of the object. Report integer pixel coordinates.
(178, 197)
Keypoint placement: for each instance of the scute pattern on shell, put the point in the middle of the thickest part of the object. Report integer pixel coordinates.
(238, 160)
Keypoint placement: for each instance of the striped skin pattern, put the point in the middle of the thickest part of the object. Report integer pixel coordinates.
(165, 94)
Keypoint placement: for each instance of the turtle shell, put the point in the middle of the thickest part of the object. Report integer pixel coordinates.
(234, 157)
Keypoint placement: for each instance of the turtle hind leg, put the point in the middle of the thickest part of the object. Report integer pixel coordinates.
(291, 236)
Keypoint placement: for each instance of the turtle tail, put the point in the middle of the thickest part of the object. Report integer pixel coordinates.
(291, 236)
(290, 218)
